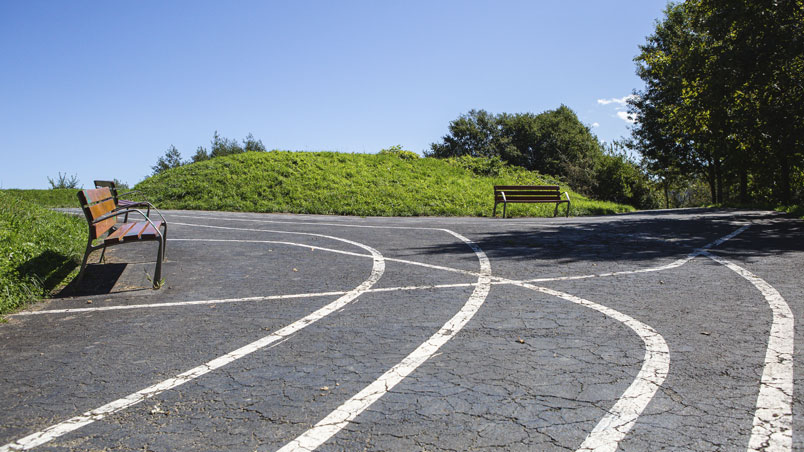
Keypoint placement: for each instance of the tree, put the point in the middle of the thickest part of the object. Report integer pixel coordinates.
(221, 146)
(171, 159)
(553, 142)
(251, 144)
(200, 155)
(723, 96)
(477, 134)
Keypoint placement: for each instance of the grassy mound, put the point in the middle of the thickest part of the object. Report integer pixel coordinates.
(41, 249)
(350, 184)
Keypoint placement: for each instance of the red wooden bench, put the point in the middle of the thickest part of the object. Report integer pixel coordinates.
(529, 194)
(101, 213)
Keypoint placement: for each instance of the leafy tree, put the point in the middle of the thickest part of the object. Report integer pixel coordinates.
(476, 134)
(553, 142)
(724, 97)
(171, 159)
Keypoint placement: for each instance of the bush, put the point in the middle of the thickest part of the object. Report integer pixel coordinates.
(63, 181)
(619, 180)
(397, 151)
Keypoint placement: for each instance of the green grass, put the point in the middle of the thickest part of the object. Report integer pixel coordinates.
(350, 184)
(60, 197)
(39, 249)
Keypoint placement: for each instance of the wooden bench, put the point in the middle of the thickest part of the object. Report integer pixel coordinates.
(101, 213)
(119, 200)
(528, 194)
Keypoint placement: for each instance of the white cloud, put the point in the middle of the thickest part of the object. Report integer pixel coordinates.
(625, 116)
(614, 100)
(595, 124)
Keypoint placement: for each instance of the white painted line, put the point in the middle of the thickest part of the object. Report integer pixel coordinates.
(495, 279)
(88, 417)
(238, 300)
(773, 419)
(177, 303)
(608, 433)
(349, 410)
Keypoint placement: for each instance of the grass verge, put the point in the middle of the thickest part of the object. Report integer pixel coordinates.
(40, 249)
(59, 197)
(351, 184)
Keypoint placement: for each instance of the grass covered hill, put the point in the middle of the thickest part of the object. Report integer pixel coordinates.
(385, 184)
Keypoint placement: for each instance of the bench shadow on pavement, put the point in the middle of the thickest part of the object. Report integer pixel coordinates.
(99, 279)
(634, 238)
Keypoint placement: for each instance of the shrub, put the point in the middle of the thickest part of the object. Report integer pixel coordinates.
(397, 151)
(63, 181)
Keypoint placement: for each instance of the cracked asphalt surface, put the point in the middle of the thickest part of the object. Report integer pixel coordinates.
(521, 370)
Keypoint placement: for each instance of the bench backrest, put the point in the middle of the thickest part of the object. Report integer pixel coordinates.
(527, 192)
(97, 202)
(110, 185)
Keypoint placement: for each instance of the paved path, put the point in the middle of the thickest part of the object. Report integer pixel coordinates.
(668, 330)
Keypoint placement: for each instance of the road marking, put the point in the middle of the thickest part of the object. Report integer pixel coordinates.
(495, 279)
(610, 430)
(773, 418)
(349, 410)
(75, 423)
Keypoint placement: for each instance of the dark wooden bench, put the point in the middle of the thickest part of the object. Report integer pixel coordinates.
(101, 213)
(528, 194)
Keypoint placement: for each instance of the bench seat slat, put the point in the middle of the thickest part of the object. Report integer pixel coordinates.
(554, 194)
(510, 198)
(558, 201)
(134, 231)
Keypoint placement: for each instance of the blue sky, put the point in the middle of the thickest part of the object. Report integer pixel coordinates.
(101, 89)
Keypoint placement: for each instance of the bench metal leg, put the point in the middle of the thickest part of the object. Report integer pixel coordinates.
(160, 257)
(505, 205)
(568, 209)
(158, 270)
(494, 213)
(84, 262)
(555, 212)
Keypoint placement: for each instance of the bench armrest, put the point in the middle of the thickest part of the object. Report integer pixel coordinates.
(566, 193)
(121, 211)
(503, 195)
(115, 213)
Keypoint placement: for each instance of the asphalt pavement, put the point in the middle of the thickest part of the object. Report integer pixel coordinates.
(665, 330)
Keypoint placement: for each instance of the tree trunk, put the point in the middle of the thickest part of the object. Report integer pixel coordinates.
(666, 185)
(719, 181)
(743, 185)
(784, 181)
(710, 173)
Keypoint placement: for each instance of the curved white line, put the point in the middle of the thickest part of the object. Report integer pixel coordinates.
(349, 410)
(773, 418)
(273, 339)
(610, 430)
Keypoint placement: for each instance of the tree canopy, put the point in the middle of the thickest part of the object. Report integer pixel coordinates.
(554, 142)
(724, 98)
